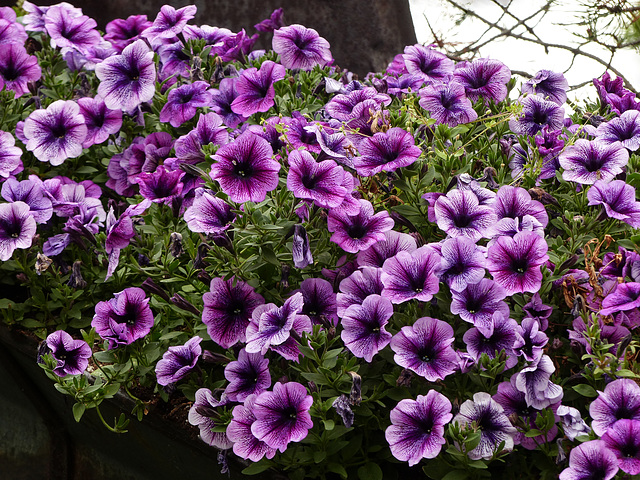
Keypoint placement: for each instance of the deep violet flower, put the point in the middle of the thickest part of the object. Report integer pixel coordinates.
(392, 244)
(417, 427)
(32, 193)
(529, 340)
(515, 262)
(354, 233)
(492, 339)
(625, 297)
(10, 161)
(427, 62)
(274, 22)
(209, 131)
(623, 439)
(320, 182)
(203, 414)
(551, 86)
(245, 168)
(300, 247)
(71, 356)
(612, 93)
(125, 318)
(183, 102)
(459, 213)
(411, 275)
(221, 101)
(619, 400)
(447, 103)
(537, 310)
(178, 361)
(228, 307)
(17, 228)
(282, 416)
(248, 375)
(255, 88)
(536, 113)
(69, 28)
(55, 133)
(484, 77)
(591, 460)
(169, 22)
(462, 263)
(624, 129)
(100, 120)
(386, 151)
(301, 47)
(343, 106)
(618, 199)
(425, 348)
(586, 162)
(358, 286)
(300, 133)
(478, 302)
(128, 79)
(122, 32)
(493, 424)
(245, 444)
(17, 69)
(319, 301)
(516, 203)
(208, 213)
(363, 327)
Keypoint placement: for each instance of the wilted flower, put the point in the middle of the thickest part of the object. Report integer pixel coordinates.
(572, 422)
(203, 414)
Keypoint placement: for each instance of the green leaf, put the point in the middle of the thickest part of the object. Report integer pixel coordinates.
(78, 411)
(319, 456)
(586, 390)
(370, 471)
(329, 424)
(256, 468)
(456, 475)
(533, 433)
(337, 468)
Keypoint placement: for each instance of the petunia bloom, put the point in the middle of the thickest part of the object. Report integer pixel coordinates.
(586, 162)
(282, 416)
(319, 301)
(354, 233)
(363, 327)
(169, 22)
(255, 88)
(100, 120)
(125, 318)
(447, 103)
(17, 69)
(491, 339)
(411, 275)
(17, 228)
(591, 460)
(618, 199)
(245, 444)
(203, 414)
(393, 243)
(462, 263)
(536, 113)
(624, 129)
(248, 375)
(320, 182)
(301, 47)
(208, 213)
(10, 156)
(623, 439)
(55, 133)
(122, 32)
(427, 62)
(178, 361)
(551, 86)
(358, 286)
(417, 427)
(69, 28)
(71, 356)
(183, 102)
(478, 302)
(386, 151)
(459, 213)
(619, 400)
(483, 77)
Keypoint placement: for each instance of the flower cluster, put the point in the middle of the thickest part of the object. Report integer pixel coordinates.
(338, 276)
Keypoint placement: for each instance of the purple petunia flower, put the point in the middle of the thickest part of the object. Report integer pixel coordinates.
(591, 460)
(625, 297)
(515, 262)
(221, 101)
(274, 22)
(537, 310)
(417, 427)
(536, 113)
(161, 186)
(613, 93)
(32, 193)
(69, 28)
(483, 77)
(624, 129)
(71, 356)
(572, 423)
(183, 102)
(529, 341)
(203, 414)
(427, 62)
(282, 416)
(319, 301)
(125, 318)
(300, 133)
(245, 444)
(411, 275)
(178, 361)
(535, 382)
(392, 244)
(245, 168)
(301, 47)
(120, 232)
(619, 400)
(255, 88)
(551, 86)
(386, 151)
(492, 338)
(247, 376)
(10, 161)
(354, 233)
(209, 131)
(169, 23)
(100, 120)
(478, 302)
(462, 263)
(425, 348)
(128, 79)
(586, 161)
(55, 133)
(343, 106)
(227, 311)
(320, 182)
(515, 203)
(623, 439)
(17, 69)
(122, 32)
(208, 213)
(618, 199)
(358, 286)
(493, 424)
(447, 103)
(459, 213)
(17, 228)
(363, 326)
